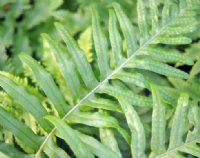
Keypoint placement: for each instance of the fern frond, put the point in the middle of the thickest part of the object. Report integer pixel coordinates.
(5, 100)
(104, 104)
(79, 58)
(20, 130)
(9, 150)
(160, 33)
(67, 68)
(25, 99)
(176, 143)
(101, 47)
(115, 38)
(49, 88)
(52, 150)
(24, 83)
(138, 141)
(158, 124)
(129, 100)
(85, 43)
(106, 133)
(52, 67)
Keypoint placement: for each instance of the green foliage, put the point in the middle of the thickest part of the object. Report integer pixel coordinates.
(130, 101)
(85, 43)
(21, 23)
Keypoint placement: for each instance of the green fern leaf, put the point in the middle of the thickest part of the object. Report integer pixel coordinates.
(47, 84)
(115, 38)
(20, 130)
(127, 29)
(158, 124)
(66, 67)
(108, 139)
(101, 47)
(78, 57)
(97, 148)
(138, 141)
(132, 100)
(12, 152)
(85, 43)
(25, 99)
(69, 135)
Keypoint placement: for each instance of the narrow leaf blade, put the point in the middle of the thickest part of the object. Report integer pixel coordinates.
(101, 46)
(28, 101)
(79, 58)
(66, 67)
(158, 123)
(47, 84)
(138, 141)
(20, 130)
(71, 138)
(178, 125)
(127, 29)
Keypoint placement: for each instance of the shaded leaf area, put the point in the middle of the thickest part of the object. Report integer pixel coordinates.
(130, 100)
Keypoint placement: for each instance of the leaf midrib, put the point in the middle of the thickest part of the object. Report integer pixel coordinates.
(109, 77)
(178, 148)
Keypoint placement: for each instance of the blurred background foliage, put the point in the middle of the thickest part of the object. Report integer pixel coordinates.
(22, 22)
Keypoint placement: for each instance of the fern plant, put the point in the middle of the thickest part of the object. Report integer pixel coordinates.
(131, 100)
